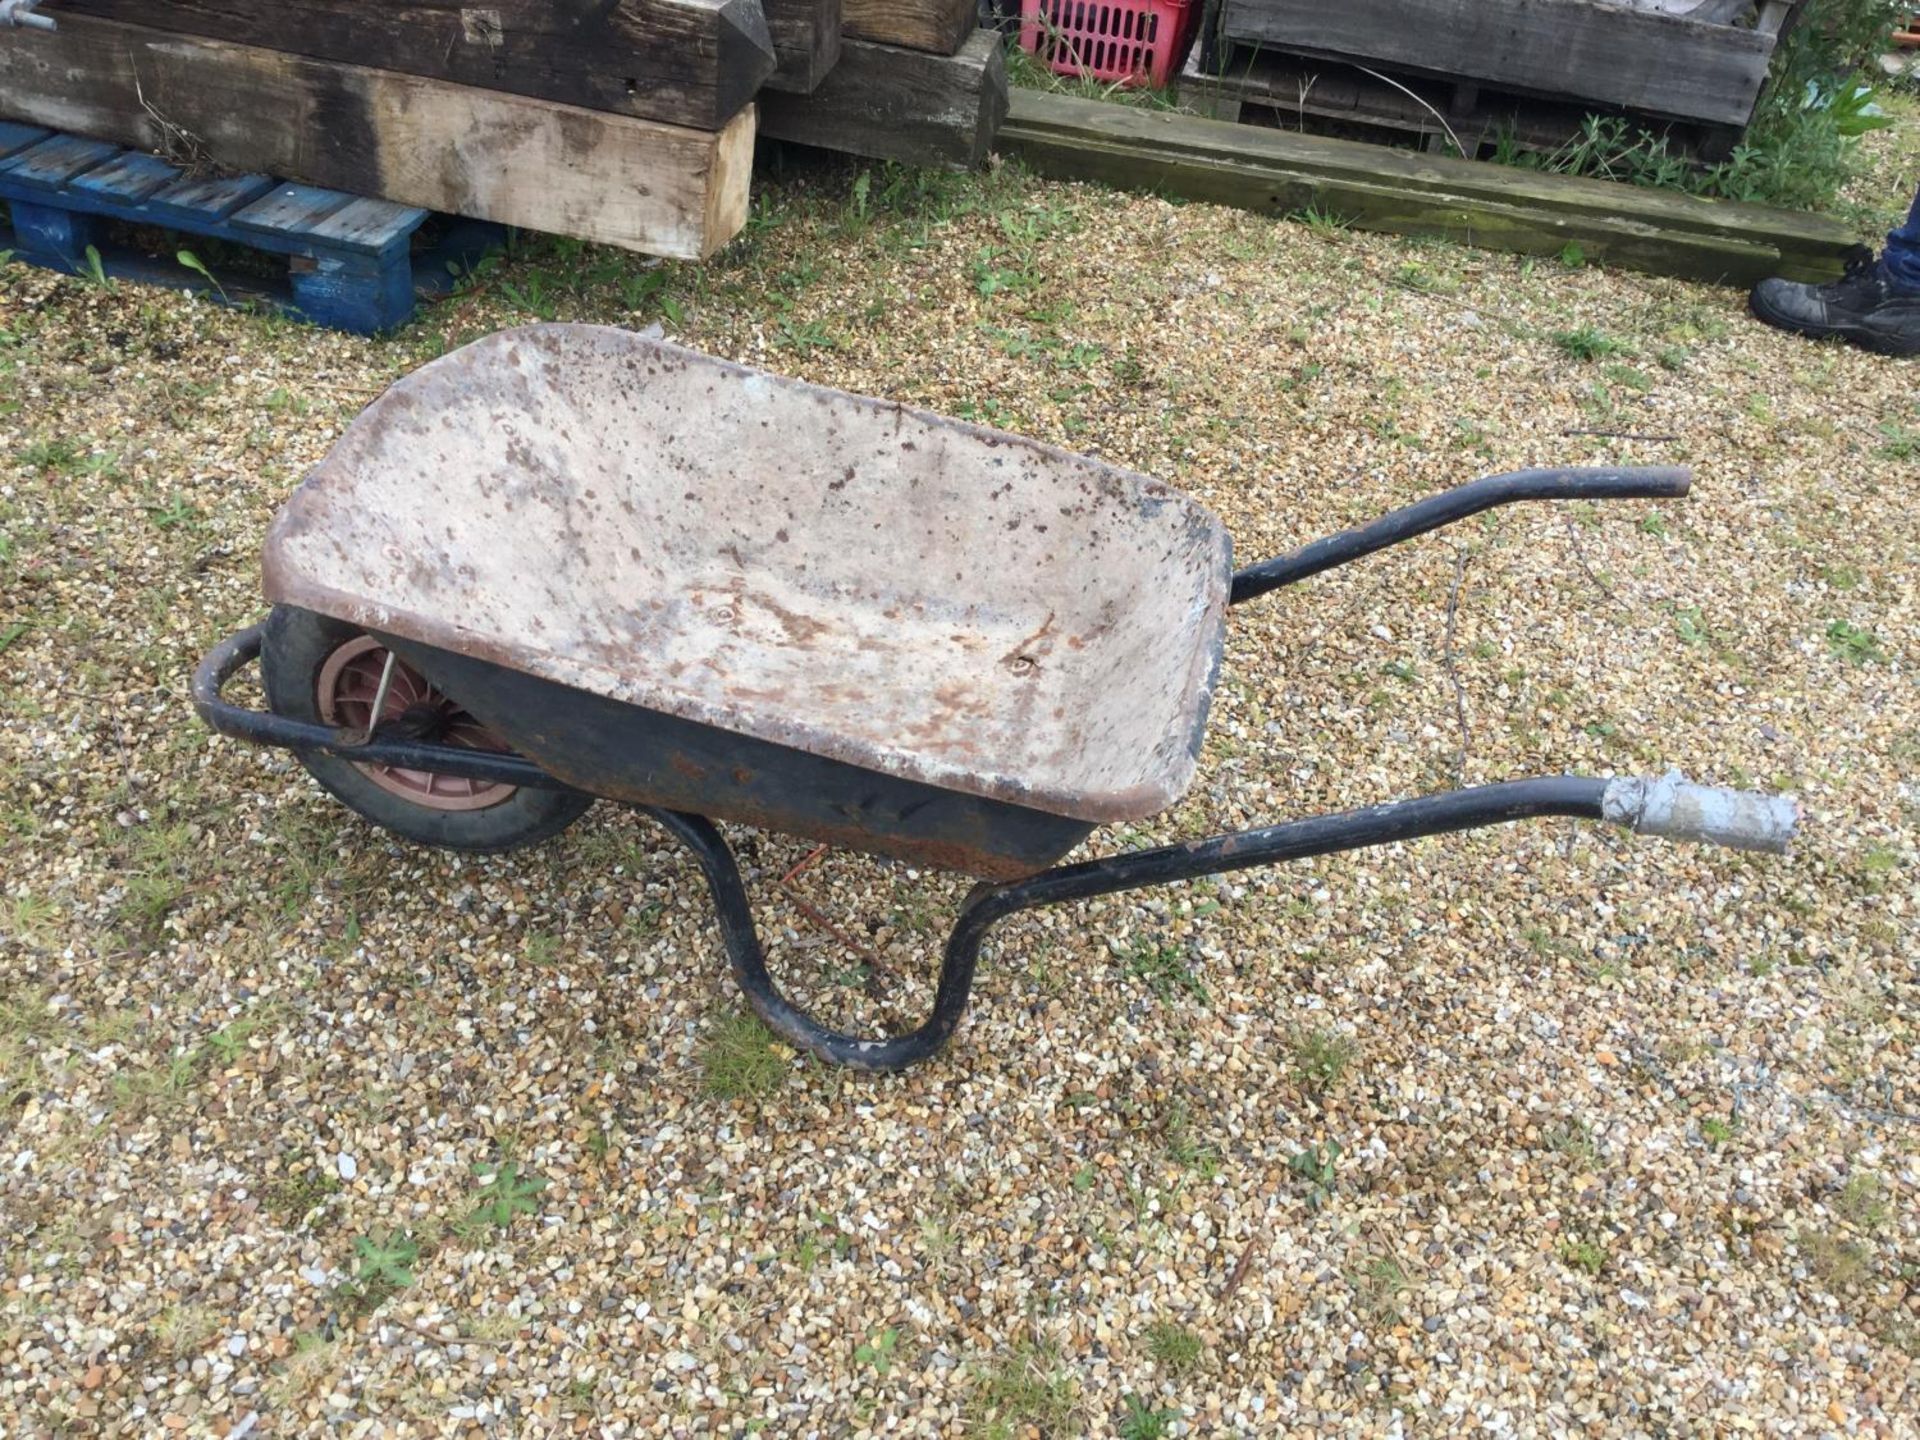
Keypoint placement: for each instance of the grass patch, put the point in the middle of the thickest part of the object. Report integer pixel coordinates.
(1321, 1058)
(1585, 343)
(1030, 1390)
(1853, 643)
(1144, 1422)
(1587, 1255)
(738, 1060)
(1165, 970)
(1174, 1347)
(1380, 1286)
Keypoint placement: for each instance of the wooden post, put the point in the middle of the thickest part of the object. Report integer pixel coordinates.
(940, 27)
(806, 37)
(906, 105)
(687, 62)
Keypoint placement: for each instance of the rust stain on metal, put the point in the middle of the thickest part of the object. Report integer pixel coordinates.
(846, 576)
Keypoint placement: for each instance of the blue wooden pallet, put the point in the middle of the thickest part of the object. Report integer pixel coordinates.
(348, 258)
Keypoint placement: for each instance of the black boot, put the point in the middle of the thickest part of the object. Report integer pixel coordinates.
(1863, 306)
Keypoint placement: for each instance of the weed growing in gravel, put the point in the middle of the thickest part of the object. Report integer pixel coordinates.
(183, 1329)
(1143, 1422)
(1900, 442)
(383, 1266)
(1852, 643)
(1838, 1264)
(1573, 1138)
(1584, 1255)
(1320, 1059)
(506, 1191)
(1174, 1347)
(293, 1196)
(1186, 1148)
(1030, 1390)
(1585, 343)
(739, 1060)
(1315, 1166)
(1165, 970)
(878, 1351)
(1380, 1285)
(1863, 1201)
(52, 457)
(1715, 1131)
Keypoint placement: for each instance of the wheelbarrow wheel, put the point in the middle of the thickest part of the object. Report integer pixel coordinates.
(327, 672)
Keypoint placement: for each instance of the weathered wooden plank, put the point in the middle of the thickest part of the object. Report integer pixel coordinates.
(687, 62)
(205, 200)
(1374, 188)
(664, 189)
(18, 137)
(806, 39)
(940, 27)
(906, 105)
(129, 177)
(1641, 60)
(52, 163)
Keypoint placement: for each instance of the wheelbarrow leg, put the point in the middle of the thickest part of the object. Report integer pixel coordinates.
(1669, 806)
(781, 1015)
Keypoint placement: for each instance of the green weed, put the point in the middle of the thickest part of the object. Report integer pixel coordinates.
(1852, 643)
(506, 1191)
(1321, 1058)
(739, 1060)
(1174, 1347)
(1028, 1391)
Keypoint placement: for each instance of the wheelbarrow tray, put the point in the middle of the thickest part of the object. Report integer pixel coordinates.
(674, 580)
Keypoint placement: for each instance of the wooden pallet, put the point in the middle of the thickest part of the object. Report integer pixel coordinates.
(1612, 55)
(349, 262)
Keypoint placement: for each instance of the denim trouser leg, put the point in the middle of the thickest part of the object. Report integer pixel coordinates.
(1902, 257)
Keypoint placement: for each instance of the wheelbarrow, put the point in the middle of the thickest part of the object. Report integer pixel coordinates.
(567, 563)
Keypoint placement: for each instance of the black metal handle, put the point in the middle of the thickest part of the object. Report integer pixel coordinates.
(1654, 482)
(990, 904)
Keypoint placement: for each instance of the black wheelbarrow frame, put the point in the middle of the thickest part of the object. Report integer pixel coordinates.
(1668, 806)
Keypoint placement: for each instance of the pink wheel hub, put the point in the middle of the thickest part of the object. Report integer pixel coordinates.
(348, 684)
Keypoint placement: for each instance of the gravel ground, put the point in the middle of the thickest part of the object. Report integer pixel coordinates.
(1542, 1131)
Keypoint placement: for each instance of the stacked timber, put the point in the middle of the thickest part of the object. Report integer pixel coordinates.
(630, 122)
(915, 83)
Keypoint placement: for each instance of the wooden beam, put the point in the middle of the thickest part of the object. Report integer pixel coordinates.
(892, 104)
(806, 37)
(687, 62)
(639, 184)
(1612, 54)
(940, 27)
(1374, 188)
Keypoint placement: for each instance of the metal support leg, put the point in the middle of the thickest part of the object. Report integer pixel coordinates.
(781, 1015)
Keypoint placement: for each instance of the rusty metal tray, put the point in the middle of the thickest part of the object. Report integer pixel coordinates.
(843, 576)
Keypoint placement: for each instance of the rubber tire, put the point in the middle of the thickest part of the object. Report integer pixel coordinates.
(297, 645)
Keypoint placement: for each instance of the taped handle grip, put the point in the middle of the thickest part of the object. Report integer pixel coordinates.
(1674, 807)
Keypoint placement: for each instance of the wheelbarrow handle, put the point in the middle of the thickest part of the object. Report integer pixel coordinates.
(1669, 806)
(1653, 482)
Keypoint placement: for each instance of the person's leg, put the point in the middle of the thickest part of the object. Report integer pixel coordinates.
(1902, 255)
(1875, 305)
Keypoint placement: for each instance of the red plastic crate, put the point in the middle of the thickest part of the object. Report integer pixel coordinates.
(1129, 42)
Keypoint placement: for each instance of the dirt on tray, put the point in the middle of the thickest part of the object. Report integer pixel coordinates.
(1538, 1131)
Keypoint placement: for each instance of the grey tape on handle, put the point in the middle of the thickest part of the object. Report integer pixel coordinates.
(1677, 808)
